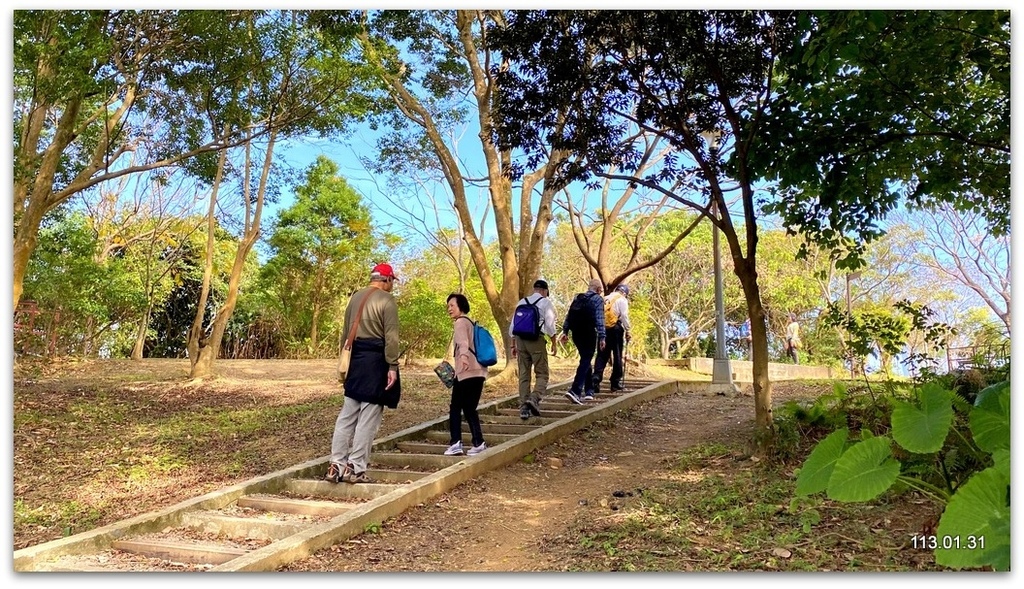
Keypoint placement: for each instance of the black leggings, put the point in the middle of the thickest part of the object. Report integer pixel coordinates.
(791, 351)
(465, 398)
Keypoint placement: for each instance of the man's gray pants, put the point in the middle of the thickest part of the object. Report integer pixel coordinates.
(354, 431)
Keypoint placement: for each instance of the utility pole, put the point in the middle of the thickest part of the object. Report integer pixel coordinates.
(721, 371)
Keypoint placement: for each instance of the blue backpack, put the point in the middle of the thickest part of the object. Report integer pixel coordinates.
(483, 345)
(526, 320)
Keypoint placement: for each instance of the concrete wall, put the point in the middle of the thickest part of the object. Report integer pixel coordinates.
(743, 372)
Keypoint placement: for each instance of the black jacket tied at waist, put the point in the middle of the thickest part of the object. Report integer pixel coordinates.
(368, 375)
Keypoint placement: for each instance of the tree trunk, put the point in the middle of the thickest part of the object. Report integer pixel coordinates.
(25, 238)
(313, 335)
(208, 354)
(140, 335)
(195, 343)
(764, 425)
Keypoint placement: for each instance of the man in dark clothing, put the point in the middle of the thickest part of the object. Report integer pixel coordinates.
(586, 322)
(372, 380)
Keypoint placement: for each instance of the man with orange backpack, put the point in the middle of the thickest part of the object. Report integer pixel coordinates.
(616, 319)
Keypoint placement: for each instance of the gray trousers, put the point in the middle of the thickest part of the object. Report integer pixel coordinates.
(533, 356)
(354, 431)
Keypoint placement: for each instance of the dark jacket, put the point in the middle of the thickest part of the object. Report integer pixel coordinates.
(368, 374)
(595, 304)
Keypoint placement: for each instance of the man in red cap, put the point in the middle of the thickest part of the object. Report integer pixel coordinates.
(372, 380)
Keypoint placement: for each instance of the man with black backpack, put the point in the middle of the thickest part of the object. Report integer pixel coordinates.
(585, 319)
(533, 318)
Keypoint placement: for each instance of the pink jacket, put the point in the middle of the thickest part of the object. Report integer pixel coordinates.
(465, 362)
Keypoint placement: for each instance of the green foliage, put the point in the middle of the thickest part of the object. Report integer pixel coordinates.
(976, 508)
(426, 327)
(85, 299)
(321, 247)
(863, 471)
(980, 509)
(817, 469)
(717, 514)
(923, 429)
(883, 331)
(990, 420)
(874, 107)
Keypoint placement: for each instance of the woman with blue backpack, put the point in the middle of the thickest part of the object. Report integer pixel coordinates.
(469, 380)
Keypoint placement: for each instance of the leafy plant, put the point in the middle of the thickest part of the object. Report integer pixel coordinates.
(973, 530)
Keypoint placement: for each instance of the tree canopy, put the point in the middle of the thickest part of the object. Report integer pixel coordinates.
(875, 108)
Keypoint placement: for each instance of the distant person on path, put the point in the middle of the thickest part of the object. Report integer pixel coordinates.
(616, 326)
(585, 319)
(372, 381)
(793, 339)
(747, 339)
(533, 319)
(469, 381)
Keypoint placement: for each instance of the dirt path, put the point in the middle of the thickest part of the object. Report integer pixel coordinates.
(511, 519)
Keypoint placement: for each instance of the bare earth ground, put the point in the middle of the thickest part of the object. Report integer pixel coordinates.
(513, 519)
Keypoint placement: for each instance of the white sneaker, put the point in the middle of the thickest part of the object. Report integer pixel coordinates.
(454, 450)
(573, 397)
(477, 449)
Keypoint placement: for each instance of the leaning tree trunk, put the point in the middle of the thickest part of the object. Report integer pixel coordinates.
(140, 334)
(203, 366)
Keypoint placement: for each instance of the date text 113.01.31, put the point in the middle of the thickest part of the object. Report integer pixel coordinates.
(930, 542)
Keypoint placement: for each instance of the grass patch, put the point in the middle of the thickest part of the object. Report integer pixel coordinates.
(70, 516)
(216, 422)
(724, 513)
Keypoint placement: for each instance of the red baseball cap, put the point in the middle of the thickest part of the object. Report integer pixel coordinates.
(384, 270)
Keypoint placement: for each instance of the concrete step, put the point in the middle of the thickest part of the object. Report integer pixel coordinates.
(544, 413)
(258, 528)
(395, 476)
(415, 460)
(311, 507)
(423, 447)
(193, 553)
(504, 428)
(514, 419)
(443, 437)
(342, 490)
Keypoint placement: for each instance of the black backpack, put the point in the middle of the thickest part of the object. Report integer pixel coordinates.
(580, 318)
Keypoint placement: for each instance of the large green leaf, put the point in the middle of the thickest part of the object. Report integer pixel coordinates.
(989, 397)
(817, 469)
(990, 419)
(1001, 460)
(974, 530)
(923, 429)
(864, 471)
